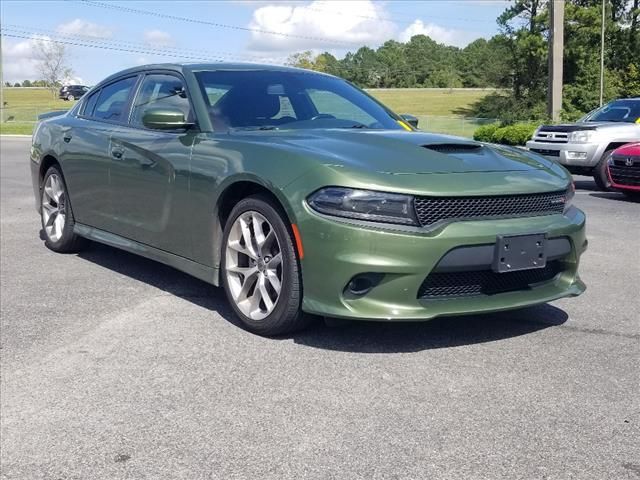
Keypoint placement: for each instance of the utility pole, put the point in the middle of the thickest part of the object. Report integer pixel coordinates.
(602, 55)
(556, 47)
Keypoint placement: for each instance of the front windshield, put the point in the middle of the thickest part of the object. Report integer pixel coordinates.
(617, 111)
(267, 100)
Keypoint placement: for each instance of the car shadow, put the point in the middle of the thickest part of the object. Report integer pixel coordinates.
(589, 185)
(616, 196)
(444, 332)
(354, 336)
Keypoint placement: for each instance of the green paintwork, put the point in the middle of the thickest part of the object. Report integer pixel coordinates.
(164, 119)
(161, 199)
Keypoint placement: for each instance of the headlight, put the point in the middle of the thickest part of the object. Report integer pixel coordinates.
(568, 199)
(583, 136)
(364, 205)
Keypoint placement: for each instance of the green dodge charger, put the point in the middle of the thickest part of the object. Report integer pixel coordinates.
(300, 194)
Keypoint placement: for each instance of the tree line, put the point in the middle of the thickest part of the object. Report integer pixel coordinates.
(515, 60)
(34, 83)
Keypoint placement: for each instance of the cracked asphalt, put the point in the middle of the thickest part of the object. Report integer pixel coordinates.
(116, 367)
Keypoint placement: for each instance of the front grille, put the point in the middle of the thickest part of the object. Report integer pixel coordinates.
(548, 153)
(484, 282)
(431, 210)
(624, 174)
(552, 137)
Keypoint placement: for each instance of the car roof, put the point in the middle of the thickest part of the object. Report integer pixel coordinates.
(196, 67)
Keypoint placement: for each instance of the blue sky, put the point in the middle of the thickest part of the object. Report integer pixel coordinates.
(263, 31)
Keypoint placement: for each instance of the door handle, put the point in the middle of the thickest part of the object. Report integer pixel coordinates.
(117, 153)
(67, 137)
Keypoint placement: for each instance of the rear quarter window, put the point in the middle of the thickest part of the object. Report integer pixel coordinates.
(90, 104)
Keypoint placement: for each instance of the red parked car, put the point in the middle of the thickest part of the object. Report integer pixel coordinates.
(624, 169)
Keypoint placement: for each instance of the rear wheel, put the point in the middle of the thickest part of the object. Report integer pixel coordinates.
(56, 215)
(260, 269)
(600, 174)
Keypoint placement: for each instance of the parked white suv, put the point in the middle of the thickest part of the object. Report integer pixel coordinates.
(585, 146)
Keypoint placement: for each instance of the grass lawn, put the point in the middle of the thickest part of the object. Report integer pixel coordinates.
(16, 128)
(427, 101)
(23, 105)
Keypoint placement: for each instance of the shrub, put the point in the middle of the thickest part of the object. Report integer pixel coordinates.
(485, 132)
(516, 134)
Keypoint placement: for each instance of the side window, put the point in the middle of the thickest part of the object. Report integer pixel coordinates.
(160, 91)
(90, 104)
(112, 100)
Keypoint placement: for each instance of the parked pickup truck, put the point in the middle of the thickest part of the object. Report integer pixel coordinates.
(585, 146)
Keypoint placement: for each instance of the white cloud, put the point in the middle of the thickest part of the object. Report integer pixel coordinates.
(19, 60)
(440, 34)
(84, 28)
(322, 24)
(158, 38)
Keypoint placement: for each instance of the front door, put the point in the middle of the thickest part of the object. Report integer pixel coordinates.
(149, 174)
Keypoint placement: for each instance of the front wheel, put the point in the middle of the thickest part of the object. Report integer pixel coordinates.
(70, 97)
(260, 269)
(56, 215)
(600, 173)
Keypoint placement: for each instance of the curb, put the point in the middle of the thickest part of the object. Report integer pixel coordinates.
(15, 135)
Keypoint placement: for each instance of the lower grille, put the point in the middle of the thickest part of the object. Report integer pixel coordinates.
(623, 174)
(431, 210)
(484, 282)
(548, 153)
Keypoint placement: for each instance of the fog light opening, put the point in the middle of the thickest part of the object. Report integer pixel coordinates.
(362, 284)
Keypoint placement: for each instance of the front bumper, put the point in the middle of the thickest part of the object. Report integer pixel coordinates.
(569, 154)
(336, 251)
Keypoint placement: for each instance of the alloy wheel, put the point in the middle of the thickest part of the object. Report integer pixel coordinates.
(253, 265)
(54, 210)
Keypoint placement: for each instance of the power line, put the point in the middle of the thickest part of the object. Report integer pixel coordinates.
(167, 50)
(394, 18)
(212, 24)
(17, 31)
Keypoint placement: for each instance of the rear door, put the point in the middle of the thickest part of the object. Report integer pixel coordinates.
(86, 159)
(149, 170)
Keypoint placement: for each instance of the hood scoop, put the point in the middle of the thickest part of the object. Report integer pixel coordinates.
(453, 148)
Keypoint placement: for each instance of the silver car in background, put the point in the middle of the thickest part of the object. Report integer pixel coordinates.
(584, 147)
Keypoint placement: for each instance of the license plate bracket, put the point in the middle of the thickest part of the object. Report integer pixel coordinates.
(520, 252)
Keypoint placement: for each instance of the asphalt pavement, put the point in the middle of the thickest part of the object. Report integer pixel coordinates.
(116, 367)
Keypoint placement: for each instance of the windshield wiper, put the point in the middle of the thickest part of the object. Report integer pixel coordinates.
(263, 127)
(356, 125)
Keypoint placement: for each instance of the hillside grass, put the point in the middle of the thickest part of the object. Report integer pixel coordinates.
(23, 105)
(439, 110)
(427, 101)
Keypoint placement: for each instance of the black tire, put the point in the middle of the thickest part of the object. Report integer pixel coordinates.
(68, 242)
(287, 315)
(600, 174)
(70, 97)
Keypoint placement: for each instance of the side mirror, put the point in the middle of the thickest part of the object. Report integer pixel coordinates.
(410, 119)
(165, 119)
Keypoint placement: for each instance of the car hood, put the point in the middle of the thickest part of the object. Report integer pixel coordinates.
(400, 152)
(580, 126)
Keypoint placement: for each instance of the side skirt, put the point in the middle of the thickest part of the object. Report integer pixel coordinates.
(202, 272)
